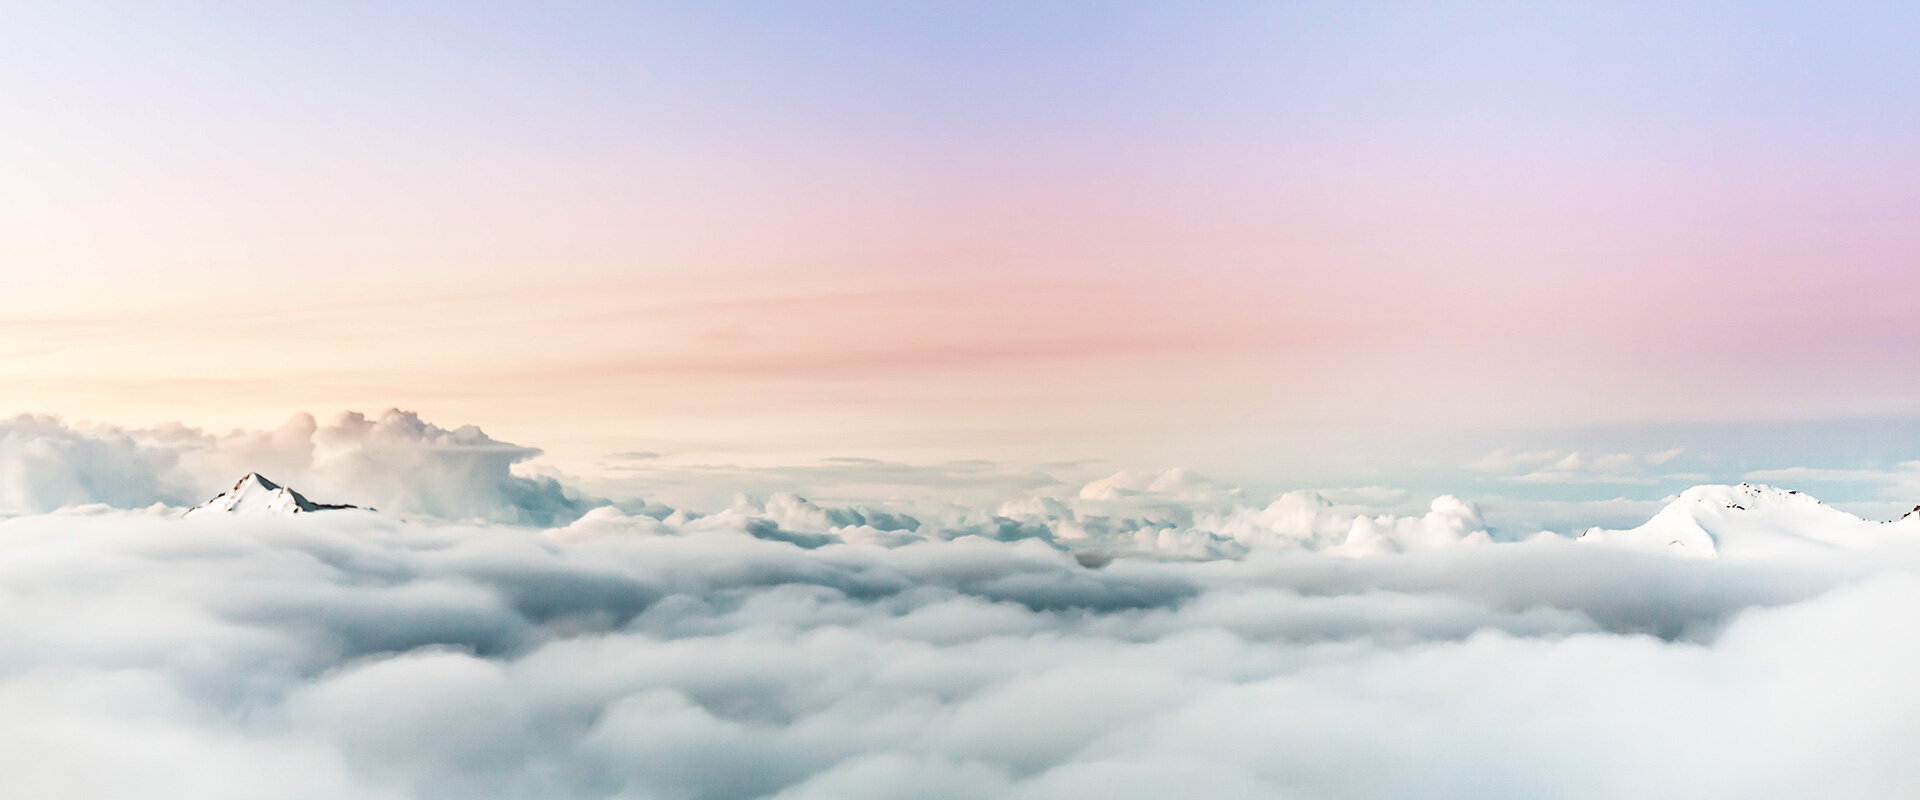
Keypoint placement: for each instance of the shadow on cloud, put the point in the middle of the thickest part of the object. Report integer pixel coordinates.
(334, 655)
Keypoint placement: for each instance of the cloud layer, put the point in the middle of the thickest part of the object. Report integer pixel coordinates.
(1139, 635)
(361, 656)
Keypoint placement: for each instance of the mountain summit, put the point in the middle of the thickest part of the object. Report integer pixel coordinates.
(254, 495)
(1749, 520)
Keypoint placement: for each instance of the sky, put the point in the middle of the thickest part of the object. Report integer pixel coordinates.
(959, 401)
(1559, 253)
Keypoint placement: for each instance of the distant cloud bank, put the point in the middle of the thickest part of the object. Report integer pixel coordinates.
(395, 462)
(403, 465)
(417, 470)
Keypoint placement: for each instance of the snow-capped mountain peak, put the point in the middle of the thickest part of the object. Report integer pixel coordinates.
(254, 495)
(1752, 519)
(1744, 497)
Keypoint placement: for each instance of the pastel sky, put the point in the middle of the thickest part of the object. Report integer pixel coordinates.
(1272, 241)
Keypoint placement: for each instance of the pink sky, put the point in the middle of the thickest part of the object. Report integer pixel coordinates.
(1166, 264)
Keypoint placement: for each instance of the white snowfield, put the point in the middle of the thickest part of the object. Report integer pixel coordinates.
(254, 495)
(1754, 521)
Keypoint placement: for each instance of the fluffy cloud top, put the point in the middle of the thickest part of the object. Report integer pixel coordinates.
(356, 656)
(395, 462)
(46, 464)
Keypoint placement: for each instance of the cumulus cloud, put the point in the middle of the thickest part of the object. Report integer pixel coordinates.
(674, 656)
(46, 464)
(1180, 513)
(395, 461)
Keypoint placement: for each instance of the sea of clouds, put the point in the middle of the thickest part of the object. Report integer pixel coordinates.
(1147, 637)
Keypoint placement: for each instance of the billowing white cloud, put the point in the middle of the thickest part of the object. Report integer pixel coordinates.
(1306, 519)
(395, 462)
(46, 464)
(673, 656)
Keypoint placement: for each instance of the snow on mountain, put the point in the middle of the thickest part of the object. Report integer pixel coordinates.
(254, 495)
(1750, 520)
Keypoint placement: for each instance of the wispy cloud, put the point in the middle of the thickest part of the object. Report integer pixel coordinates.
(1564, 466)
(1899, 482)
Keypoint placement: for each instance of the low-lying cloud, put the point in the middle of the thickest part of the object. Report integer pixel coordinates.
(352, 655)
